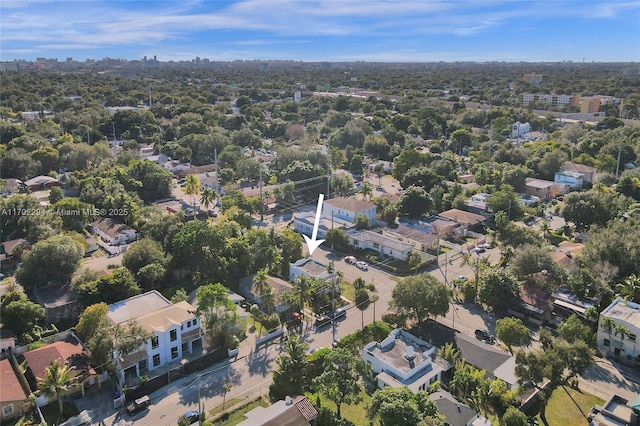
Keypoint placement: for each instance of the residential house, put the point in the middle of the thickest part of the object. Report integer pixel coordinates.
(455, 412)
(478, 203)
(13, 396)
(305, 221)
(174, 328)
(209, 180)
(497, 364)
(544, 189)
(173, 206)
(402, 359)
(518, 129)
(11, 251)
(59, 301)
(11, 186)
(385, 245)
(625, 314)
(195, 170)
(434, 225)
(113, 232)
(566, 303)
(297, 411)
(39, 183)
(466, 220)
(69, 352)
(589, 173)
(615, 412)
(421, 240)
(528, 200)
(348, 208)
(309, 267)
(247, 288)
(575, 180)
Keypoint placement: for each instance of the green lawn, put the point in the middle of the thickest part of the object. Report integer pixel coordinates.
(347, 290)
(237, 416)
(356, 413)
(563, 411)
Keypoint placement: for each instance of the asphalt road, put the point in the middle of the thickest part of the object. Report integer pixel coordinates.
(250, 373)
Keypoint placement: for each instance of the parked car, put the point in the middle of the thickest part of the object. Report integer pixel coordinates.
(480, 250)
(485, 336)
(350, 260)
(362, 265)
(485, 246)
(322, 320)
(191, 416)
(340, 313)
(138, 405)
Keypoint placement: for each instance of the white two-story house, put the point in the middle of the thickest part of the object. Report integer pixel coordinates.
(174, 328)
(625, 316)
(113, 232)
(348, 208)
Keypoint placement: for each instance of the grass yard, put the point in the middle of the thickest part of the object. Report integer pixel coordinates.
(253, 324)
(347, 290)
(562, 409)
(237, 416)
(356, 413)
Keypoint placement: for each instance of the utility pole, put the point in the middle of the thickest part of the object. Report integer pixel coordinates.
(261, 200)
(620, 146)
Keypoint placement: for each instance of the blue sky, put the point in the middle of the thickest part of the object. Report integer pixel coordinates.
(323, 30)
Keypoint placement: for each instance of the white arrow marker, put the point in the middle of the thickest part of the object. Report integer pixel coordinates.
(312, 244)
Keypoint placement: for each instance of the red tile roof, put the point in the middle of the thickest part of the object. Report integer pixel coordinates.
(10, 389)
(39, 359)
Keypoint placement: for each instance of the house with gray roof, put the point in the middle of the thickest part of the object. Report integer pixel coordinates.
(402, 359)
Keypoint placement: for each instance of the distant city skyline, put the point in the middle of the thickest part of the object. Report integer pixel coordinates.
(323, 30)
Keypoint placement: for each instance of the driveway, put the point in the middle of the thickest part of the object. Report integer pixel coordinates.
(103, 263)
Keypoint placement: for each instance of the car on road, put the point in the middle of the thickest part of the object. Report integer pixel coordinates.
(190, 416)
(350, 260)
(486, 246)
(138, 405)
(479, 250)
(362, 265)
(461, 278)
(485, 336)
(322, 320)
(339, 313)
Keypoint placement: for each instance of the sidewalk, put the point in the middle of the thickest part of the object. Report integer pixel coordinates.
(100, 401)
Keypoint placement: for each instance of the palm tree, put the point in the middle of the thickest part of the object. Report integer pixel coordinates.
(630, 289)
(302, 288)
(608, 324)
(268, 300)
(261, 281)
(544, 227)
(208, 196)
(379, 169)
(366, 190)
(57, 380)
(449, 353)
(192, 187)
(225, 389)
(623, 332)
(362, 296)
